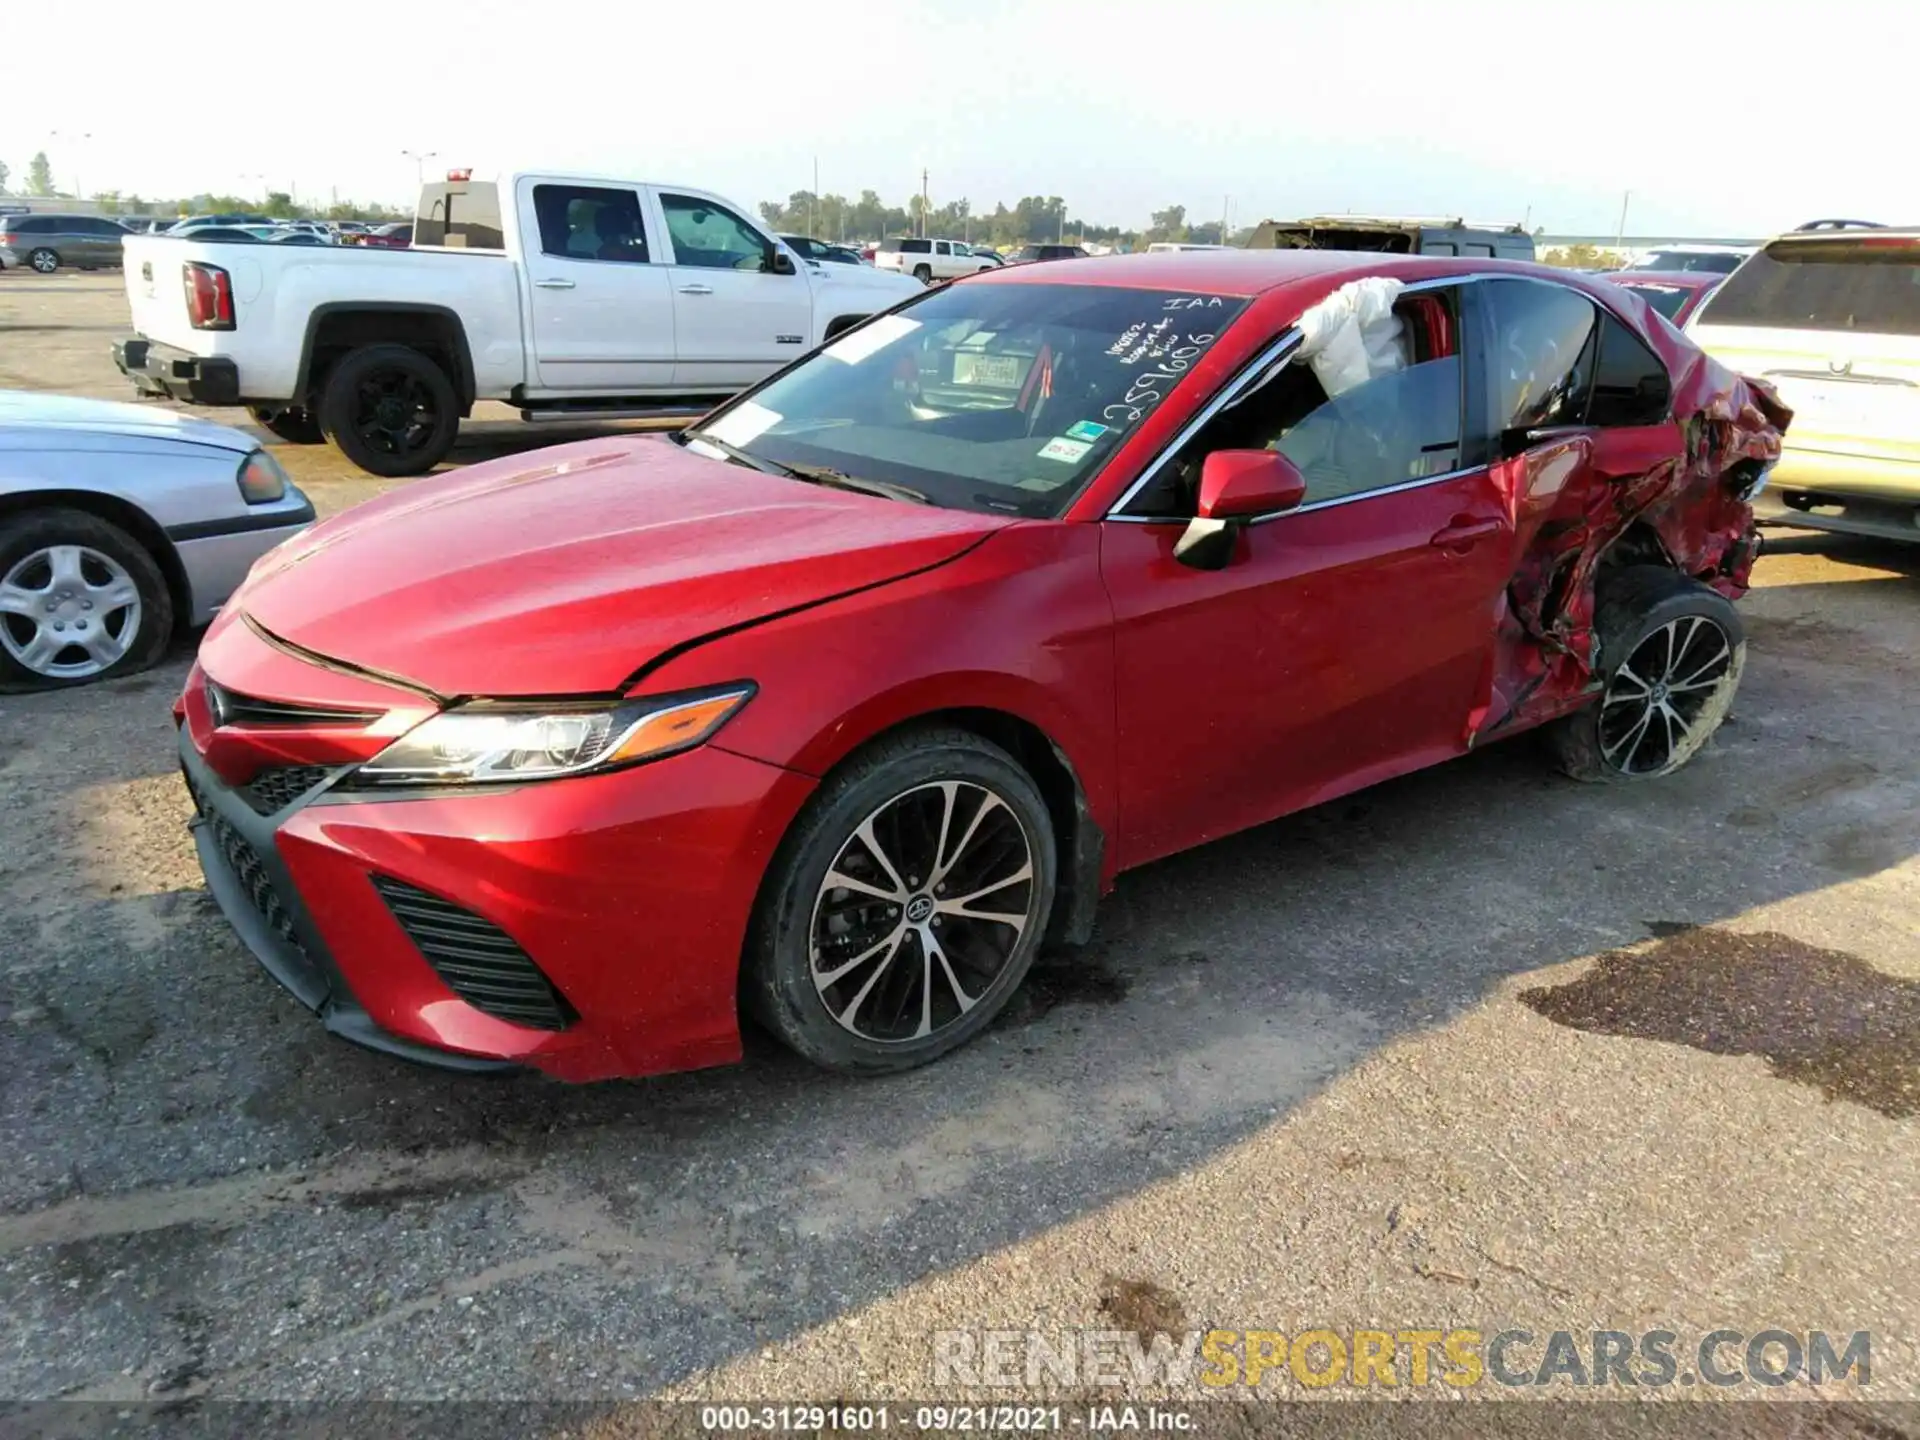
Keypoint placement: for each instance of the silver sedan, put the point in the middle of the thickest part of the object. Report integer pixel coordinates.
(120, 525)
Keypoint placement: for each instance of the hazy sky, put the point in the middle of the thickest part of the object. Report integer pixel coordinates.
(1720, 119)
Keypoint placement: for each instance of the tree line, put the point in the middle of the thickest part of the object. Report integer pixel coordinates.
(1033, 219)
(278, 204)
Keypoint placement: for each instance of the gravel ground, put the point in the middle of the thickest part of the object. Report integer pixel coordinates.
(1480, 1047)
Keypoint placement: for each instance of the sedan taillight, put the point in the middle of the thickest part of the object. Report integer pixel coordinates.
(209, 296)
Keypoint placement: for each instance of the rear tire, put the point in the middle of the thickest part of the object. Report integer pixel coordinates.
(44, 260)
(961, 834)
(923, 273)
(291, 423)
(390, 410)
(111, 614)
(1671, 654)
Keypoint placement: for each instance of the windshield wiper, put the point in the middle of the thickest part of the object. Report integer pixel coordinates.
(840, 480)
(733, 453)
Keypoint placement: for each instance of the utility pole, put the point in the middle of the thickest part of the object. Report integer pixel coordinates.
(1620, 235)
(923, 204)
(813, 207)
(419, 165)
(1226, 208)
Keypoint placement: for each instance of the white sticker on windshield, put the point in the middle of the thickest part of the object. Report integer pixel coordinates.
(743, 422)
(854, 348)
(1065, 449)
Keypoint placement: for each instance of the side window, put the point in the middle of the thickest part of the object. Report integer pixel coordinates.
(1542, 354)
(941, 247)
(1630, 385)
(1400, 425)
(1438, 247)
(1485, 251)
(588, 222)
(915, 247)
(713, 237)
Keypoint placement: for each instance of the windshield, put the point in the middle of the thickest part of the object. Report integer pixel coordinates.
(995, 397)
(1870, 284)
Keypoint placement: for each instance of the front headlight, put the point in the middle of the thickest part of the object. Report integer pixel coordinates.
(493, 743)
(262, 481)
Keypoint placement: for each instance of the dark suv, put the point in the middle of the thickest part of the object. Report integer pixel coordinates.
(46, 242)
(1027, 253)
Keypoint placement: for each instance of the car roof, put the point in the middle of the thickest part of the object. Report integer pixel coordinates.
(1257, 272)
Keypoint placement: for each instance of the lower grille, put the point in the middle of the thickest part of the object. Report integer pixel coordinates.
(476, 958)
(271, 791)
(245, 863)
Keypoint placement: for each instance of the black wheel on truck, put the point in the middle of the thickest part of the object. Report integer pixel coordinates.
(390, 410)
(291, 423)
(923, 273)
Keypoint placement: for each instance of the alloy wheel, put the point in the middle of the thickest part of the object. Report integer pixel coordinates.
(394, 412)
(1673, 691)
(68, 612)
(921, 911)
(45, 261)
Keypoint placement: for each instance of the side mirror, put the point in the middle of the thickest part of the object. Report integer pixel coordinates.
(782, 263)
(1236, 486)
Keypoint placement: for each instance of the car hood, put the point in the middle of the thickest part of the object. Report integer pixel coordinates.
(567, 570)
(37, 420)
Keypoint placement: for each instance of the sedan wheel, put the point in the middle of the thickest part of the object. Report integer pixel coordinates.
(1671, 652)
(905, 906)
(921, 911)
(1669, 696)
(79, 599)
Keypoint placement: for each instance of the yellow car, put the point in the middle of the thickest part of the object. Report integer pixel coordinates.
(1830, 314)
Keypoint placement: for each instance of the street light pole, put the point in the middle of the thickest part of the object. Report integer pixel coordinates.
(79, 193)
(419, 165)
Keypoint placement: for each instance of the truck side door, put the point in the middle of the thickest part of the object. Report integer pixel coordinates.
(599, 298)
(738, 313)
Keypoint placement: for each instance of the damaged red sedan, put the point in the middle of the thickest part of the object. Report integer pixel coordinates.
(839, 705)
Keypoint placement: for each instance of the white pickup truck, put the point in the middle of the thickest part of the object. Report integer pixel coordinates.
(930, 260)
(571, 297)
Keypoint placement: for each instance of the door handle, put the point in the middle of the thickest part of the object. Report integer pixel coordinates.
(554, 284)
(696, 289)
(1462, 532)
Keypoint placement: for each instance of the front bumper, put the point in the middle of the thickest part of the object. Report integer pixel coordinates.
(176, 374)
(631, 891)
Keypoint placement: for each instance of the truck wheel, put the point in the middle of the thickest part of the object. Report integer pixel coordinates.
(291, 423)
(923, 273)
(1671, 653)
(390, 410)
(44, 260)
(80, 599)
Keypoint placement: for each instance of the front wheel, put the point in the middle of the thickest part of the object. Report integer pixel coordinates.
(1671, 654)
(391, 410)
(80, 600)
(44, 260)
(905, 906)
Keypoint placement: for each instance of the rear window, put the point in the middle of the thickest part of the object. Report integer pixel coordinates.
(917, 247)
(462, 216)
(1868, 284)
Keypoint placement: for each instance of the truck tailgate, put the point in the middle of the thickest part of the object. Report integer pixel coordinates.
(154, 266)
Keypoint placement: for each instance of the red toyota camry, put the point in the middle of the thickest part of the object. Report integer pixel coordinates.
(840, 704)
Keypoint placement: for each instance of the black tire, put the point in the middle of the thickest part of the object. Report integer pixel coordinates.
(33, 530)
(778, 982)
(291, 423)
(390, 410)
(43, 260)
(923, 273)
(1650, 606)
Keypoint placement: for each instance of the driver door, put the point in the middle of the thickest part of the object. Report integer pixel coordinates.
(1346, 641)
(736, 319)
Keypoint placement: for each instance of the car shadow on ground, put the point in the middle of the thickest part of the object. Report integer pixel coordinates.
(191, 1142)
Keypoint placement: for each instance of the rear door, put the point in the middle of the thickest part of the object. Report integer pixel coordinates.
(599, 301)
(1834, 323)
(737, 318)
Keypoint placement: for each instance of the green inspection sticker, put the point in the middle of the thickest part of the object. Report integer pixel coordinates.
(1086, 430)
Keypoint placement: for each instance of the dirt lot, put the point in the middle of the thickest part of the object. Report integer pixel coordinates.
(1481, 1047)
